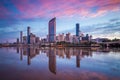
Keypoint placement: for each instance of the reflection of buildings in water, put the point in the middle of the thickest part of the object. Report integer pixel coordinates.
(28, 56)
(17, 49)
(52, 60)
(24, 51)
(90, 53)
(86, 53)
(74, 51)
(21, 54)
(45, 51)
(37, 51)
(67, 52)
(80, 54)
(60, 52)
(107, 50)
(30, 52)
(71, 52)
(78, 58)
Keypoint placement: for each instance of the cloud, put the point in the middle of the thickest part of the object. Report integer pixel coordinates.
(108, 29)
(30, 9)
(111, 29)
(4, 13)
(115, 19)
(16, 13)
(112, 25)
(63, 8)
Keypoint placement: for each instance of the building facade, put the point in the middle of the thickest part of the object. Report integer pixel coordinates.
(28, 35)
(77, 29)
(60, 38)
(24, 39)
(21, 37)
(52, 30)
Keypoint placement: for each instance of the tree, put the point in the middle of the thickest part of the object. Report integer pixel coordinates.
(116, 39)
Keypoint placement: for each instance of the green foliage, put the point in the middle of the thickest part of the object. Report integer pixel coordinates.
(106, 40)
(74, 44)
(115, 39)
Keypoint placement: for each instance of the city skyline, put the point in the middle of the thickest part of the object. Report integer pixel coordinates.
(99, 18)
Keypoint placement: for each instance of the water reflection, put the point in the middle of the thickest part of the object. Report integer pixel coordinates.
(29, 55)
(67, 53)
(64, 63)
(52, 60)
(21, 54)
(17, 50)
(78, 58)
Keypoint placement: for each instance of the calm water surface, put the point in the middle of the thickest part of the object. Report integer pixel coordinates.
(59, 64)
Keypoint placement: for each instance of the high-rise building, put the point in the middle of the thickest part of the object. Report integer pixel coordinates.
(32, 38)
(75, 39)
(90, 37)
(24, 39)
(52, 30)
(68, 37)
(17, 41)
(21, 37)
(77, 29)
(60, 37)
(37, 40)
(28, 35)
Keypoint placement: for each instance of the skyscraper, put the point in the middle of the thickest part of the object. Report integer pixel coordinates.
(28, 35)
(52, 30)
(77, 29)
(17, 41)
(21, 37)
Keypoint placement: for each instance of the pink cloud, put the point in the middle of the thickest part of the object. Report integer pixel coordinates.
(4, 13)
(48, 8)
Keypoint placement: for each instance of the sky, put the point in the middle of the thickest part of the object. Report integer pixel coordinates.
(99, 18)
